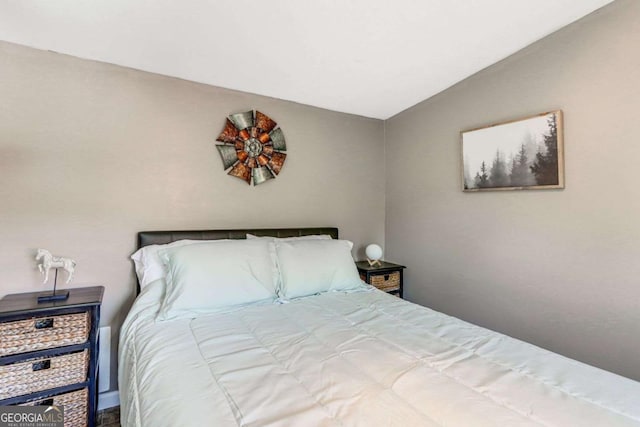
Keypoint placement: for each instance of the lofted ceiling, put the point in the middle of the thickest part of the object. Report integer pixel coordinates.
(373, 58)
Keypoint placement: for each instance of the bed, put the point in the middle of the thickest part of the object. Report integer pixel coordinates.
(356, 357)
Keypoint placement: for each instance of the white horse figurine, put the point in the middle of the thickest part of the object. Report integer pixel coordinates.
(49, 261)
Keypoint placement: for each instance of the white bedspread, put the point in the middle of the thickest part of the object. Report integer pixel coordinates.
(358, 359)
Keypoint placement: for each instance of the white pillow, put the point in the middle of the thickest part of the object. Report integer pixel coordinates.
(308, 267)
(217, 274)
(287, 239)
(149, 266)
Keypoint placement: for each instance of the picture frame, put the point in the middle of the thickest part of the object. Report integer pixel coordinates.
(521, 154)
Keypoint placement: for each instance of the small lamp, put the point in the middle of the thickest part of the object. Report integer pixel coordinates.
(374, 254)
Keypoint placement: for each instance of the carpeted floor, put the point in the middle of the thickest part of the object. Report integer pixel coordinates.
(109, 417)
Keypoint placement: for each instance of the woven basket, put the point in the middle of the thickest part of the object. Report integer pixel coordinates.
(387, 282)
(44, 332)
(40, 374)
(74, 403)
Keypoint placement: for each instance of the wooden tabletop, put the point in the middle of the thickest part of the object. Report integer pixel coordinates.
(384, 265)
(28, 301)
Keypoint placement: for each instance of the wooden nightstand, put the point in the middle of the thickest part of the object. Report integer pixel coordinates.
(386, 277)
(49, 353)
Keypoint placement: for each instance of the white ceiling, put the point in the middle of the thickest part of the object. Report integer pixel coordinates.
(374, 58)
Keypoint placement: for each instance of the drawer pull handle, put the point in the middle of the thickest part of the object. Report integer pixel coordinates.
(386, 277)
(46, 402)
(44, 323)
(42, 365)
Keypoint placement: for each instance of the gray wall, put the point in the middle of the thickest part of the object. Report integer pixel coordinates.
(91, 153)
(560, 269)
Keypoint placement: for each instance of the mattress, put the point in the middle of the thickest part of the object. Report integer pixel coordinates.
(352, 359)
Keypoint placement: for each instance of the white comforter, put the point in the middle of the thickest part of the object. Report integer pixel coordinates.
(357, 359)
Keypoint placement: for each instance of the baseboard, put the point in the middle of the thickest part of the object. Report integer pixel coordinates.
(108, 399)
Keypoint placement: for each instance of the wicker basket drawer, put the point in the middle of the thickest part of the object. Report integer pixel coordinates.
(386, 282)
(44, 332)
(74, 403)
(40, 374)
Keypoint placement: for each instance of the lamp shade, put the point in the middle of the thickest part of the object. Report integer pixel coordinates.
(374, 252)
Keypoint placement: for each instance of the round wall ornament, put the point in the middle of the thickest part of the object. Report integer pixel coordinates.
(253, 147)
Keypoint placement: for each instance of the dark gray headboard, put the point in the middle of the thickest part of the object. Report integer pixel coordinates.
(146, 238)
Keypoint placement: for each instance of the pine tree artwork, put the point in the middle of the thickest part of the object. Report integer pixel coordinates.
(482, 179)
(524, 154)
(545, 167)
(499, 177)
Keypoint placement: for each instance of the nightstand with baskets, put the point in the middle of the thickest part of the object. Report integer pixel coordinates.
(49, 353)
(387, 276)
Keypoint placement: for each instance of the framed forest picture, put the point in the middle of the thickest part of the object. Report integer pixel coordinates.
(522, 154)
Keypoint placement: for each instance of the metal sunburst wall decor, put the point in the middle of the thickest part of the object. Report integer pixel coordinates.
(253, 147)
